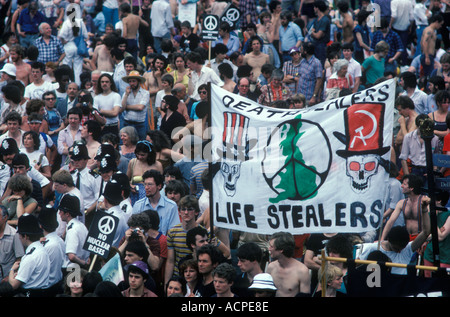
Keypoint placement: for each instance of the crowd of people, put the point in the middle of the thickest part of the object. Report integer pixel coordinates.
(103, 104)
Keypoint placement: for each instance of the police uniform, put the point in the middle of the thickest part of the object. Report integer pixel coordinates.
(5, 174)
(86, 180)
(76, 231)
(34, 268)
(113, 193)
(55, 247)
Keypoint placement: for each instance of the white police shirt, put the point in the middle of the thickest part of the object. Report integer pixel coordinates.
(34, 268)
(76, 234)
(56, 248)
(89, 186)
(121, 226)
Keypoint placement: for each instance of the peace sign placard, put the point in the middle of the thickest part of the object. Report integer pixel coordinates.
(101, 233)
(232, 15)
(210, 27)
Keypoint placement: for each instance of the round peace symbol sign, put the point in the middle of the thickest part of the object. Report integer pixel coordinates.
(106, 225)
(233, 14)
(210, 23)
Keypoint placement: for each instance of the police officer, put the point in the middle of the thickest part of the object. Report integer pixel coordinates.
(76, 232)
(86, 180)
(30, 276)
(55, 247)
(112, 198)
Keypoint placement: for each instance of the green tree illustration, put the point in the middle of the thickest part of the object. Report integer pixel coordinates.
(297, 180)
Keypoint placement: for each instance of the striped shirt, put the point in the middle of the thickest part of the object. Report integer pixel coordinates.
(176, 240)
(294, 70)
(311, 71)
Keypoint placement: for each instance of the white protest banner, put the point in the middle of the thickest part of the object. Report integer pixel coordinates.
(318, 169)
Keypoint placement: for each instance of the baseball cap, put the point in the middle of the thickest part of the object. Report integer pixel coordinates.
(141, 266)
(293, 50)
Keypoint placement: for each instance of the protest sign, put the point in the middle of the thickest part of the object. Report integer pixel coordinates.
(101, 234)
(318, 169)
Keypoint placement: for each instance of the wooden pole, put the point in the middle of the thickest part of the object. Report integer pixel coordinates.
(323, 279)
(390, 264)
(93, 262)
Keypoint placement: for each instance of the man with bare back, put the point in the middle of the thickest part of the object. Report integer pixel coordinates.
(130, 28)
(347, 23)
(408, 208)
(289, 275)
(101, 59)
(428, 43)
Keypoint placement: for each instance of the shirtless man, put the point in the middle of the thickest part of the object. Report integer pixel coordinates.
(153, 79)
(90, 132)
(130, 27)
(408, 207)
(23, 70)
(347, 23)
(289, 275)
(428, 43)
(256, 59)
(407, 119)
(101, 59)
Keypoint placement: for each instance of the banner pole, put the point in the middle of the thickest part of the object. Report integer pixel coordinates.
(426, 128)
(210, 180)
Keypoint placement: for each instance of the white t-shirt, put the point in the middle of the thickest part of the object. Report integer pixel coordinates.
(108, 102)
(403, 257)
(34, 158)
(35, 92)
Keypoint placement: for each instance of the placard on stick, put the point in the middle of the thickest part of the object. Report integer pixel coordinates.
(101, 234)
(210, 28)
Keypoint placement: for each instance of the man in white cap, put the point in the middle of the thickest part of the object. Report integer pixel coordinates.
(134, 103)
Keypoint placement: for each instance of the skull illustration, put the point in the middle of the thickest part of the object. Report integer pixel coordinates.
(361, 168)
(231, 172)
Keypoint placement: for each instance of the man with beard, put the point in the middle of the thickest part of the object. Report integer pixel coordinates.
(23, 69)
(134, 103)
(310, 83)
(166, 208)
(172, 118)
(435, 83)
(290, 35)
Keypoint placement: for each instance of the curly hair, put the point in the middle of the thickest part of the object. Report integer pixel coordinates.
(19, 182)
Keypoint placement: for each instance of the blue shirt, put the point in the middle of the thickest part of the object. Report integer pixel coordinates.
(166, 209)
(49, 52)
(28, 24)
(392, 38)
(290, 36)
(233, 44)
